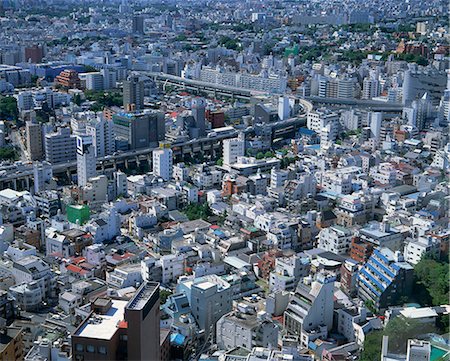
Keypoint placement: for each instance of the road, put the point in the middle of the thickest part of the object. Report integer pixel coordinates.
(17, 140)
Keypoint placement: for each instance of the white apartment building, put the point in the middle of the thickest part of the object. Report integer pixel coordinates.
(163, 162)
(248, 330)
(102, 132)
(232, 149)
(86, 160)
(309, 314)
(60, 147)
(335, 239)
(172, 267)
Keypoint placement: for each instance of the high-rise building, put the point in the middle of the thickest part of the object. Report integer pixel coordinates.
(86, 161)
(142, 316)
(121, 330)
(34, 54)
(375, 120)
(35, 144)
(139, 130)
(283, 108)
(385, 279)
(102, 132)
(60, 147)
(371, 88)
(138, 24)
(232, 149)
(163, 161)
(416, 83)
(94, 81)
(198, 108)
(42, 174)
(133, 94)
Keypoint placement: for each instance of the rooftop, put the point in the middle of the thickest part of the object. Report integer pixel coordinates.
(103, 326)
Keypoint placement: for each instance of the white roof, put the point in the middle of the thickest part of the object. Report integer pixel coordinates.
(106, 325)
(424, 312)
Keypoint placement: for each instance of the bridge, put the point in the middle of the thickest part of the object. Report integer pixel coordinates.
(20, 177)
(374, 105)
(201, 86)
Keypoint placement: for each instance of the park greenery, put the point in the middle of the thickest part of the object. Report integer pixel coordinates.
(103, 99)
(197, 211)
(399, 330)
(8, 153)
(8, 108)
(431, 281)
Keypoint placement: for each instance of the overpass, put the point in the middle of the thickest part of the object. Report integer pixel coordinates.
(197, 86)
(20, 176)
(374, 105)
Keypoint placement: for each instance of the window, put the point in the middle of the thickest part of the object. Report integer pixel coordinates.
(79, 347)
(102, 350)
(90, 348)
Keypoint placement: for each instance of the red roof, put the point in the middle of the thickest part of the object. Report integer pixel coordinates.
(76, 269)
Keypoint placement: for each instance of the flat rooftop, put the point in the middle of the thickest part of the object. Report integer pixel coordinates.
(143, 295)
(103, 327)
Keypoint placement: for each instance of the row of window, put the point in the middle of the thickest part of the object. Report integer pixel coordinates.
(91, 349)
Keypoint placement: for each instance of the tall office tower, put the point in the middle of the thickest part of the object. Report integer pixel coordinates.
(121, 330)
(163, 161)
(35, 144)
(309, 313)
(283, 108)
(138, 24)
(142, 316)
(233, 148)
(42, 174)
(198, 108)
(86, 162)
(133, 93)
(139, 130)
(60, 147)
(375, 120)
(102, 132)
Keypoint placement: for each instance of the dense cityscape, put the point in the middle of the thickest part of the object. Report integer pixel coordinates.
(257, 180)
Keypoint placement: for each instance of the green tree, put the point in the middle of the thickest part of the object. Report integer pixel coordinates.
(268, 154)
(372, 346)
(399, 330)
(433, 275)
(77, 99)
(9, 153)
(164, 295)
(219, 162)
(8, 108)
(259, 155)
(197, 211)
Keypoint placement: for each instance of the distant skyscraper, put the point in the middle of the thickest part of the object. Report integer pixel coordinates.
(133, 94)
(198, 112)
(138, 24)
(86, 162)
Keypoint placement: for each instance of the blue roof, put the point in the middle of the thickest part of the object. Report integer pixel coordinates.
(177, 339)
